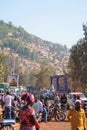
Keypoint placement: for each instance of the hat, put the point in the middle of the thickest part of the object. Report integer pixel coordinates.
(79, 101)
(28, 97)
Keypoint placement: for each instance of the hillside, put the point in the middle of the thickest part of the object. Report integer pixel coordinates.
(29, 51)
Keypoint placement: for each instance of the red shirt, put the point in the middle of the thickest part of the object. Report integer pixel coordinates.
(25, 114)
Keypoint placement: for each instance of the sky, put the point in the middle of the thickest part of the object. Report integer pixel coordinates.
(57, 21)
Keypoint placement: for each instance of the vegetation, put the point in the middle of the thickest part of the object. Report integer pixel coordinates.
(14, 37)
(37, 78)
(17, 41)
(43, 77)
(78, 64)
(3, 69)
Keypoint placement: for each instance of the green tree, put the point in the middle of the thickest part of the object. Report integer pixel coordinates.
(4, 69)
(24, 79)
(43, 77)
(78, 64)
(32, 78)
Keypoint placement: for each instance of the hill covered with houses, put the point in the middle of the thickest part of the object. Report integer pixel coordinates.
(29, 52)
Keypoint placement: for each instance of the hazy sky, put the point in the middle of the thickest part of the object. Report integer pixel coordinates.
(58, 21)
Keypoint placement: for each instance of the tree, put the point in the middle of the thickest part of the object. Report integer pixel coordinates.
(78, 63)
(32, 78)
(43, 77)
(10, 24)
(4, 70)
(24, 79)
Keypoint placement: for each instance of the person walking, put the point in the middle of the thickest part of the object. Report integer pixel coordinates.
(77, 117)
(73, 100)
(7, 103)
(28, 119)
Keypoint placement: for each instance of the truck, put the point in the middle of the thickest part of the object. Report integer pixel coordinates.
(58, 83)
(4, 86)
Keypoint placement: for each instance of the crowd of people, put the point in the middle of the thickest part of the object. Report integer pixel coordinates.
(30, 106)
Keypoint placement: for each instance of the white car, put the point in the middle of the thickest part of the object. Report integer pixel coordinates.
(82, 97)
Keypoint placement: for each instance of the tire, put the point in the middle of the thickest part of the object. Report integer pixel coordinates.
(59, 116)
(9, 127)
(64, 116)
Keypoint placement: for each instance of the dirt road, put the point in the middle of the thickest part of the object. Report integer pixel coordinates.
(51, 126)
(55, 126)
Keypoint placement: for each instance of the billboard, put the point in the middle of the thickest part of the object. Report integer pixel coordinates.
(13, 79)
(58, 83)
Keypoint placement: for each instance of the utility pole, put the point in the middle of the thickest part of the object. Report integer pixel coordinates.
(13, 77)
(15, 58)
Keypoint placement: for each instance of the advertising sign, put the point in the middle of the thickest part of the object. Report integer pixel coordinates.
(13, 79)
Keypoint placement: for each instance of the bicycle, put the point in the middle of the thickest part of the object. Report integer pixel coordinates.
(6, 124)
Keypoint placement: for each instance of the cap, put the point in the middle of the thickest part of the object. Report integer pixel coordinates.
(79, 101)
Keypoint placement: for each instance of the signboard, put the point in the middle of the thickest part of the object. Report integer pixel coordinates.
(13, 79)
(58, 83)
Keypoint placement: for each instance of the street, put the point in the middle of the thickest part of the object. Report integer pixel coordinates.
(51, 126)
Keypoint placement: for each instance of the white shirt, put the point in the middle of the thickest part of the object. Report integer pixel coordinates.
(38, 106)
(8, 100)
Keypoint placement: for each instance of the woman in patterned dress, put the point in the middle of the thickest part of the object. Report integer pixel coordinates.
(28, 119)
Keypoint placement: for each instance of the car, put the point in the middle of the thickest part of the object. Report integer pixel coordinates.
(82, 97)
(80, 94)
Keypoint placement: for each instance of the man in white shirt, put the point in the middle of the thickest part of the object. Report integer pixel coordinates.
(8, 105)
(38, 106)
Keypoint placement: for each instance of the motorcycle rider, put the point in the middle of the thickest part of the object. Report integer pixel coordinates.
(63, 101)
